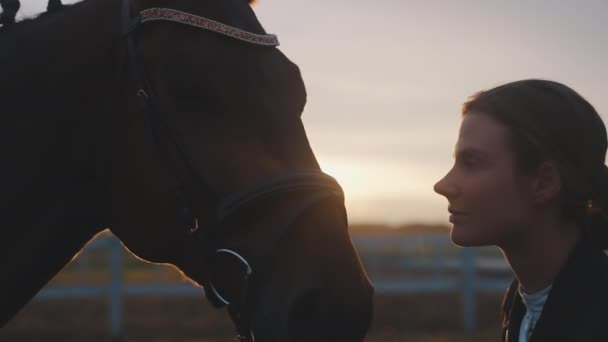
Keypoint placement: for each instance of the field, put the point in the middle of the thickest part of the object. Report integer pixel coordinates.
(430, 318)
(407, 317)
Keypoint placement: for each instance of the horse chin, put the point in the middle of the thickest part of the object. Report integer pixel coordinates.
(313, 315)
(193, 269)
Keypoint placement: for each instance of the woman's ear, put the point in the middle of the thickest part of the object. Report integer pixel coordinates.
(547, 183)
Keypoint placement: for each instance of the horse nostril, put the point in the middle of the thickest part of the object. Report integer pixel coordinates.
(321, 315)
(310, 318)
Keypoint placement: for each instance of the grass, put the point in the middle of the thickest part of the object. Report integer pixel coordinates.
(420, 318)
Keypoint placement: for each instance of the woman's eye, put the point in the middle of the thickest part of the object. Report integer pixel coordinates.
(470, 161)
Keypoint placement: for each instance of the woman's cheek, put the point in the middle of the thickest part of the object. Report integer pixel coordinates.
(480, 201)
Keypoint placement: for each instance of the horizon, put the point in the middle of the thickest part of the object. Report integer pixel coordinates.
(386, 80)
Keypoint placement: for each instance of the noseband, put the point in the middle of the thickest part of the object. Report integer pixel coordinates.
(314, 186)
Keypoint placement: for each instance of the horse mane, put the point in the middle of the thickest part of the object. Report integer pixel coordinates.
(51, 49)
(40, 37)
(52, 66)
(27, 24)
(24, 25)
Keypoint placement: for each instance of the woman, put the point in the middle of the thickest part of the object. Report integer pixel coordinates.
(529, 177)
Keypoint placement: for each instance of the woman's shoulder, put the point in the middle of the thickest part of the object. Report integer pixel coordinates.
(595, 261)
(600, 271)
(589, 274)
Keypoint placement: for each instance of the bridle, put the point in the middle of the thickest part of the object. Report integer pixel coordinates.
(316, 185)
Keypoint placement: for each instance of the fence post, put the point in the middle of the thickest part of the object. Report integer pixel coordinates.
(114, 293)
(469, 302)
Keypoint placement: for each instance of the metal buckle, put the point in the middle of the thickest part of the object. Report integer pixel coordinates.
(194, 229)
(142, 94)
(248, 272)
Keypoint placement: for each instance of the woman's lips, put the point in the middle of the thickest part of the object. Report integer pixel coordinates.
(456, 215)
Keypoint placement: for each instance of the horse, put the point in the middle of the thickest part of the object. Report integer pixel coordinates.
(177, 126)
(11, 7)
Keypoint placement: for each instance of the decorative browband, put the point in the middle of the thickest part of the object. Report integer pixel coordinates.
(167, 14)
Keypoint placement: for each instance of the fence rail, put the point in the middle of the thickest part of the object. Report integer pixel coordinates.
(416, 264)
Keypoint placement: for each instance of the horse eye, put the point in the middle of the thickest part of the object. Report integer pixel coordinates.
(187, 103)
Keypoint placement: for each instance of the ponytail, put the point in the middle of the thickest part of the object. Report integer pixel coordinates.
(595, 225)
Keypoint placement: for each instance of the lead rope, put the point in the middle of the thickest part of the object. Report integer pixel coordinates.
(241, 314)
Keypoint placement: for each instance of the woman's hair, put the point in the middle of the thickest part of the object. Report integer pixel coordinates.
(550, 121)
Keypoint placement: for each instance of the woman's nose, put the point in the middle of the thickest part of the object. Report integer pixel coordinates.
(446, 187)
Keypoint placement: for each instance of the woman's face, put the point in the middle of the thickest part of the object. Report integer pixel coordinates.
(489, 202)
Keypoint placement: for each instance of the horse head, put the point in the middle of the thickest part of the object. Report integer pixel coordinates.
(216, 175)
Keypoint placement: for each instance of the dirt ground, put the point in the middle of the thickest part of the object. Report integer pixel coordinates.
(420, 318)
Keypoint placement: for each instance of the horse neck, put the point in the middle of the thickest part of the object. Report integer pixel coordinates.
(58, 71)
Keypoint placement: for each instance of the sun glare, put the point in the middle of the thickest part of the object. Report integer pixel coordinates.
(349, 176)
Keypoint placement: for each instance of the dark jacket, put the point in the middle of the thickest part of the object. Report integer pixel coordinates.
(577, 306)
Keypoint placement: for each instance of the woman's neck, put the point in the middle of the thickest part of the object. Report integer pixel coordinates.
(538, 255)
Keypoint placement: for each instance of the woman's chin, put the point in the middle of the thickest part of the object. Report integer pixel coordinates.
(463, 237)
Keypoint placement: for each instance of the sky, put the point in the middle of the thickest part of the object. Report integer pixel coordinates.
(386, 80)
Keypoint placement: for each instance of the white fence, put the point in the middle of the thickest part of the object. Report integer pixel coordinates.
(396, 265)
(431, 263)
